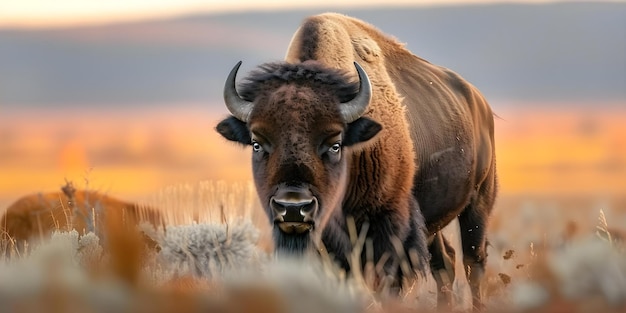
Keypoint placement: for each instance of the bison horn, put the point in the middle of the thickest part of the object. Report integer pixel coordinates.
(354, 108)
(238, 107)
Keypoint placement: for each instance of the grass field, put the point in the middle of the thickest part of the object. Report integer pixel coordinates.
(539, 262)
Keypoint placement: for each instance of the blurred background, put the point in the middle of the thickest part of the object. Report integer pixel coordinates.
(123, 96)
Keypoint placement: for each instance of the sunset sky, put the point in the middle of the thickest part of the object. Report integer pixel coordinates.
(44, 13)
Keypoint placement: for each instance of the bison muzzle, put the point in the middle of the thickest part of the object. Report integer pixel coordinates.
(294, 209)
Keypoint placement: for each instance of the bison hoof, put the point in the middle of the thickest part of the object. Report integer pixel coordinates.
(295, 228)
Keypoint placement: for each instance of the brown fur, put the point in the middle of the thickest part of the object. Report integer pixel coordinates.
(451, 128)
(441, 105)
(381, 175)
(340, 42)
(38, 215)
(433, 160)
(296, 107)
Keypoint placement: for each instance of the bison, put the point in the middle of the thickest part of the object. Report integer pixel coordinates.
(353, 125)
(38, 215)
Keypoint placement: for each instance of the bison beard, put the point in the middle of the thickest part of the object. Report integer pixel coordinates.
(291, 244)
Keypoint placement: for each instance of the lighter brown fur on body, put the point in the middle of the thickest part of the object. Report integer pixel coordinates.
(337, 36)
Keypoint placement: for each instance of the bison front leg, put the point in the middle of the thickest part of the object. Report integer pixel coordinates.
(473, 227)
(442, 268)
(397, 249)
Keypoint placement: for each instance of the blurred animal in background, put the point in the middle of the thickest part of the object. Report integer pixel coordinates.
(399, 145)
(36, 216)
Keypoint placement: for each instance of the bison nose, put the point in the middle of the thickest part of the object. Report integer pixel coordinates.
(294, 211)
(302, 210)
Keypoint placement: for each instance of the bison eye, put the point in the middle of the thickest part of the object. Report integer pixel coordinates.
(256, 147)
(335, 148)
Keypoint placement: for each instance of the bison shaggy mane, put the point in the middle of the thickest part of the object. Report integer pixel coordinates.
(305, 73)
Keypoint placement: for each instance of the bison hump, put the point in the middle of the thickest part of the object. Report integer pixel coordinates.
(366, 48)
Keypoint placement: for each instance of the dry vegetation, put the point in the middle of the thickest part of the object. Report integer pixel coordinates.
(214, 255)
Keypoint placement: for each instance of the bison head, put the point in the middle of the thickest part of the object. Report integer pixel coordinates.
(301, 120)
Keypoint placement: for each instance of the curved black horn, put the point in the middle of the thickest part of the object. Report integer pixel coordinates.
(238, 107)
(354, 108)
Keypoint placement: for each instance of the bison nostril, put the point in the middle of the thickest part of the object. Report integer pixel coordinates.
(295, 210)
(308, 211)
(279, 210)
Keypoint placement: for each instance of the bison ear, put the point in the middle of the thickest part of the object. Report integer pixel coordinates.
(361, 130)
(234, 130)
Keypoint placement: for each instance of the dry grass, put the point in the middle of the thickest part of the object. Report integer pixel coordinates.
(216, 259)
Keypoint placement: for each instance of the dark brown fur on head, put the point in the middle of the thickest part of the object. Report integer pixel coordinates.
(296, 119)
(305, 73)
(279, 87)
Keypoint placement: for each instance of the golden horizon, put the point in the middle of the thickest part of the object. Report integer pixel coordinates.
(539, 151)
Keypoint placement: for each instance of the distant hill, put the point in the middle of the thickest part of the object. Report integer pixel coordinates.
(551, 52)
